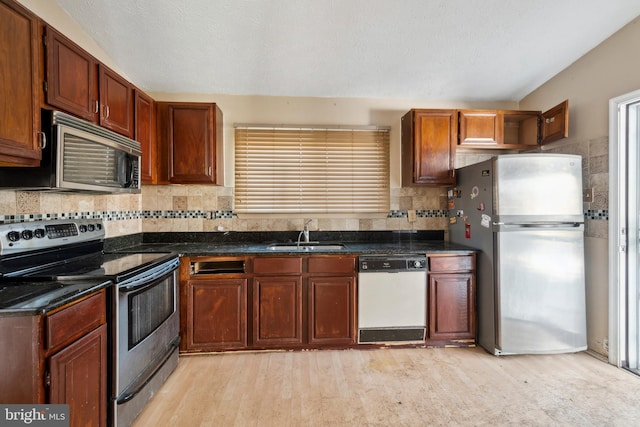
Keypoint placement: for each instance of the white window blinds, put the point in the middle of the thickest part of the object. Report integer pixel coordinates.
(311, 170)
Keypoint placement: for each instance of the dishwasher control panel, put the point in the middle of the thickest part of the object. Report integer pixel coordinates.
(392, 263)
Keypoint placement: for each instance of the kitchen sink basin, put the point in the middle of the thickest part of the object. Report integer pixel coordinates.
(306, 247)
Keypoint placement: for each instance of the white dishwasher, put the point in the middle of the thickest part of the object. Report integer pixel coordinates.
(392, 298)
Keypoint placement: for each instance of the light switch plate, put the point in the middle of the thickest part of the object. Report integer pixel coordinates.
(411, 215)
(587, 195)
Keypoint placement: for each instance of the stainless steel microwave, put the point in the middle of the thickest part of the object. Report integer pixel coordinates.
(79, 156)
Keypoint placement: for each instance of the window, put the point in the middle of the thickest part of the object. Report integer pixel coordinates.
(311, 170)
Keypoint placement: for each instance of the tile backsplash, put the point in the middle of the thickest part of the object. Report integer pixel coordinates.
(210, 208)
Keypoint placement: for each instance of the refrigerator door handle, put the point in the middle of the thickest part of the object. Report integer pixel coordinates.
(537, 225)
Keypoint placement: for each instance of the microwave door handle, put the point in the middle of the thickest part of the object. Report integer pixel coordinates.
(130, 172)
(125, 175)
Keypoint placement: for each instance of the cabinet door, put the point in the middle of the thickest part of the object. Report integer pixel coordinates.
(72, 77)
(19, 90)
(79, 378)
(332, 311)
(216, 314)
(451, 303)
(144, 120)
(277, 311)
(116, 102)
(484, 127)
(555, 123)
(188, 138)
(428, 147)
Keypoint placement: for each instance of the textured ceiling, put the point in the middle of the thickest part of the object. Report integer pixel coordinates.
(420, 49)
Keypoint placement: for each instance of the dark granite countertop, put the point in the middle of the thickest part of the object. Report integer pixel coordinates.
(248, 243)
(40, 297)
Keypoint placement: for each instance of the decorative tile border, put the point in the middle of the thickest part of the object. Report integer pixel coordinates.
(175, 214)
(601, 214)
(592, 214)
(120, 215)
(420, 213)
(105, 216)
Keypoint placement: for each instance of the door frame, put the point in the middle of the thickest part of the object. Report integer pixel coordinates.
(623, 256)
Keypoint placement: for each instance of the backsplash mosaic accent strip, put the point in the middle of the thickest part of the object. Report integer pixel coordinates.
(121, 215)
(105, 216)
(597, 214)
(420, 213)
(592, 214)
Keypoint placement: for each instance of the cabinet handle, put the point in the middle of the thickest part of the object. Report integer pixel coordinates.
(106, 111)
(97, 108)
(43, 140)
(551, 120)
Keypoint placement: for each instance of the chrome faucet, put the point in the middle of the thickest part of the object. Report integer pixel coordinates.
(305, 232)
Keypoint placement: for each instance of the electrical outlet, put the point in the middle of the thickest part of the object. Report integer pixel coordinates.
(411, 215)
(587, 195)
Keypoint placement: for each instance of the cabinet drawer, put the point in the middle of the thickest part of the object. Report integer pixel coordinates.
(332, 265)
(451, 263)
(76, 320)
(277, 265)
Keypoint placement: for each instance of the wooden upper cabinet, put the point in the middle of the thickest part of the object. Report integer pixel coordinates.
(80, 85)
(187, 136)
(481, 127)
(116, 102)
(71, 77)
(145, 122)
(513, 129)
(20, 87)
(555, 123)
(428, 147)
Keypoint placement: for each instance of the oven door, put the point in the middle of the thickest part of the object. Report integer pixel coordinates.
(146, 341)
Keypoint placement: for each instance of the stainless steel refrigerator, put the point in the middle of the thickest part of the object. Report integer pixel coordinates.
(524, 214)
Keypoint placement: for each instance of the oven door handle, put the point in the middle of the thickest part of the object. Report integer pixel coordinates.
(147, 376)
(146, 281)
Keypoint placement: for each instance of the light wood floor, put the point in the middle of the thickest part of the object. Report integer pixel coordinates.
(394, 387)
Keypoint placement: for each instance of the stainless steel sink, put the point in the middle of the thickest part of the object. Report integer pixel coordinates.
(305, 247)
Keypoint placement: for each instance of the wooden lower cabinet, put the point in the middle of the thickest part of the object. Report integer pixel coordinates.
(267, 302)
(216, 314)
(277, 311)
(331, 310)
(59, 357)
(78, 377)
(76, 340)
(451, 300)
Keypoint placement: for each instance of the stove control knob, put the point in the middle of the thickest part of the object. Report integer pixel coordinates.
(91, 227)
(26, 234)
(13, 236)
(83, 228)
(417, 264)
(39, 233)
